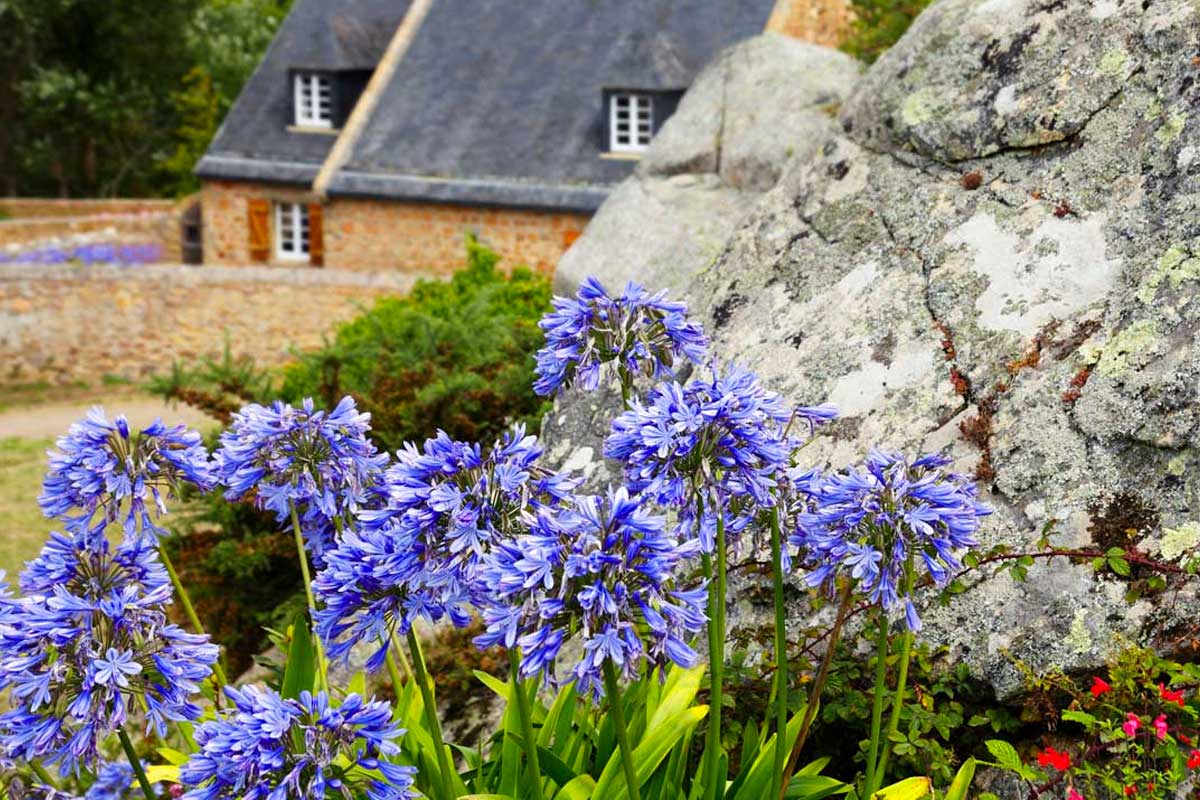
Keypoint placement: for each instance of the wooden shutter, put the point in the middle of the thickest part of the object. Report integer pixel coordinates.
(258, 214)
(316, 235)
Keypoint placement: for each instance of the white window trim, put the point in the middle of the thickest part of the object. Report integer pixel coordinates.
(298, 249)
(308, 108)
(637, 100)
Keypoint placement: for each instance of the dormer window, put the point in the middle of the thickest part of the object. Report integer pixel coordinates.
(630, 121)
(312, 94)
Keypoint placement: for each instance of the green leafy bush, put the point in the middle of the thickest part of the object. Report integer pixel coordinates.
(454, 355)
(879, 24)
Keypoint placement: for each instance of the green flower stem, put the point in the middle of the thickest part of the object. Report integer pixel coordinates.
(613, 688)
(881, 654)
(43, 775)
(818, 687)
(393, 670)
(526, 718)
(398, 651)
(781, 658)
(714, 782)
(425, 684)
(136, 763)
(190, 611)
(906, 645)
(322, 668)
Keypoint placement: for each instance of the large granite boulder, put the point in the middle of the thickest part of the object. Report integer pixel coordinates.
(996, 253)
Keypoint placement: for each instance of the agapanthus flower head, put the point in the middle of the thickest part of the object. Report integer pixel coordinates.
(113, 782)
(272, 748)
(321, 463)
(722, 439)
(879, 523)
(641, 333)
(604, 569)
(414, 553)
(87, 645)
(104, 472)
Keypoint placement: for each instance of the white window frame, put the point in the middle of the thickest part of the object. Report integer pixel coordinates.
(312, 97)
(291, 231)
(638, 110)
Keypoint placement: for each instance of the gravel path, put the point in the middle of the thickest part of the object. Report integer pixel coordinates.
(52, 419)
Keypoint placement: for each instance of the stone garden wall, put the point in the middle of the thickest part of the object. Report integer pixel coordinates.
(74, 323)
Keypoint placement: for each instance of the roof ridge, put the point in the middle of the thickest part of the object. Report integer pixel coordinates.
(403, 37)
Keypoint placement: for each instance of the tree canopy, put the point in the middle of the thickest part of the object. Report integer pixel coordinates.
(102, 98)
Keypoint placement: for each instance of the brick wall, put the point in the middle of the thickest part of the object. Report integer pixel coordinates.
(824, 22)
(75, 323)
(388, 235)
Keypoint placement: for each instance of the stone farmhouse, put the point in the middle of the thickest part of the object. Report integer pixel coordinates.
(376, 133)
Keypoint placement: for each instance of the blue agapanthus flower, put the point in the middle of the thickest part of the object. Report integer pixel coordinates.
(103, 473)
(721, 439)
(86, 644)
(604, 569)
(271, 748)
(415, 551)
(878, 523)
(319, 462)
(114, 780)
(641, 333)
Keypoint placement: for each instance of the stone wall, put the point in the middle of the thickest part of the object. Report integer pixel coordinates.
(159, 228)
(54, 207)
(34, 223)
(73, 323)
(389, 235)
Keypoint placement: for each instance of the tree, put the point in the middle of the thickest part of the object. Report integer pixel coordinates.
(115, 98)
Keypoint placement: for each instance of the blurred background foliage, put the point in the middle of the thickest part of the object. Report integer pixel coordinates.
(105, 98)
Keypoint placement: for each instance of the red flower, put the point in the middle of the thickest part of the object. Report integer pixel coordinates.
(1170, 696)
(1099, 687)
(1193, 759)
(1053, 758)
(1183, 737)
(1150, 786)
(1130, 791)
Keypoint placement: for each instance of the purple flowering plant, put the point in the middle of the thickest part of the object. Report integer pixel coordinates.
(638, 332)
(608, 595)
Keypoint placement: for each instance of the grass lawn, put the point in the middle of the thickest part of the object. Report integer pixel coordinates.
(23, 529)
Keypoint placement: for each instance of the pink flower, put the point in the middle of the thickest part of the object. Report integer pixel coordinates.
(1160, 726)
(1132, 723)
(1072, 794)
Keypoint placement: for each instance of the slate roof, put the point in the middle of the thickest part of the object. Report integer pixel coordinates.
(254, 142)
(495, 102)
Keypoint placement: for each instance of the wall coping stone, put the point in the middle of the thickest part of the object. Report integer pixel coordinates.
(209, 275)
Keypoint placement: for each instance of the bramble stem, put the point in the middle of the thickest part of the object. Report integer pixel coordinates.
(190, 611)
(526, 718)
(814, 697)
(781, 658)
(881, 652)
(136, 763)
(425, 684)
(322, 669)
(613, 687)
(716, 660)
